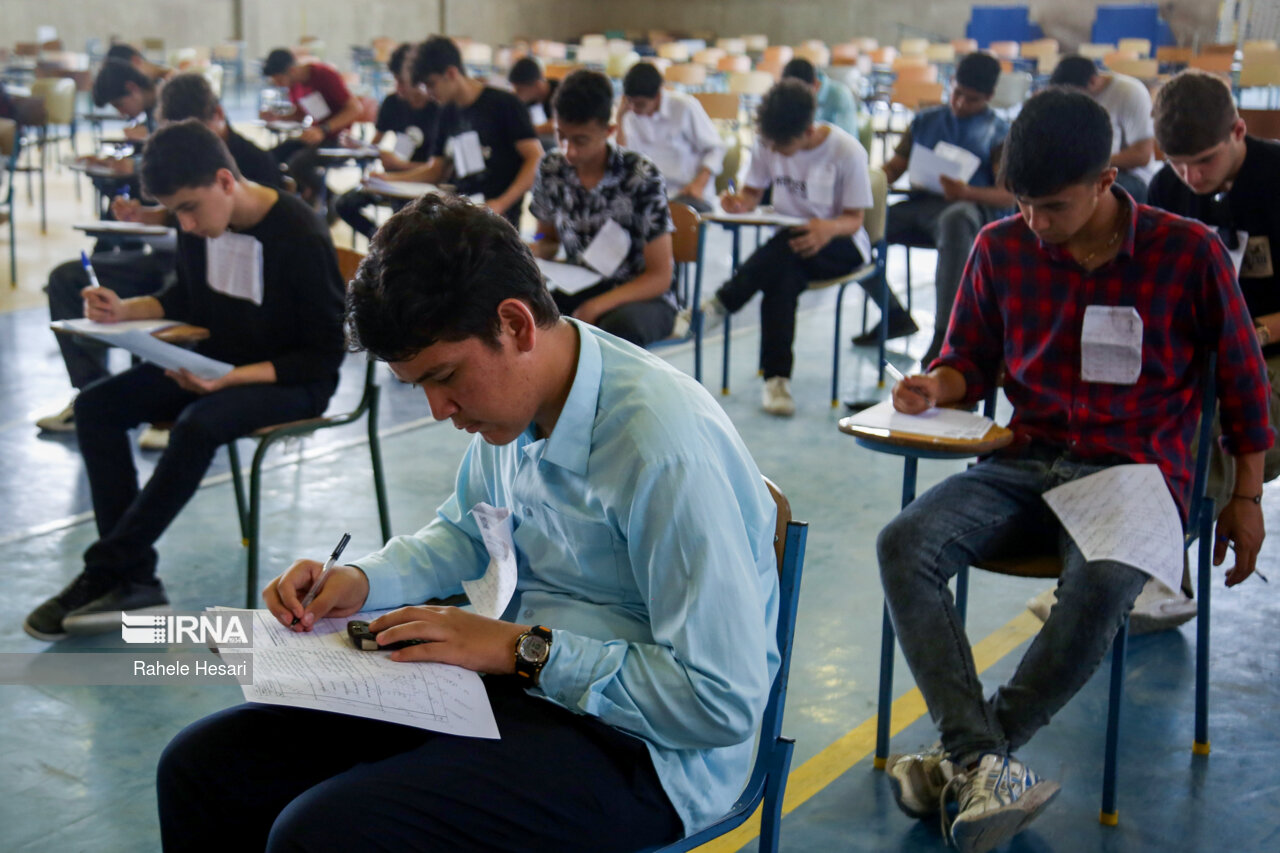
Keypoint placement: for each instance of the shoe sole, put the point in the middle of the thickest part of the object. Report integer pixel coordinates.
(996, 827)
(1140, 623)
(40, 635)
(60, 429)
(104, 621)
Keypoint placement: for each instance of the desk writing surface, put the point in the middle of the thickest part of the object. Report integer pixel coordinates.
(127, 229)
(759, 216)
(994, 437)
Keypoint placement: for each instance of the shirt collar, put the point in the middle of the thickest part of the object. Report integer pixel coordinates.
(569, 445)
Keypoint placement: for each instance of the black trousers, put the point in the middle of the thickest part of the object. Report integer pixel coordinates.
(351, 204)
(641, 323)
(128, 273)
(130, 519)
(260, 777)
(781, 276)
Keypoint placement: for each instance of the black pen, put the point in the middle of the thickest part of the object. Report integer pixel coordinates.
(324, 575)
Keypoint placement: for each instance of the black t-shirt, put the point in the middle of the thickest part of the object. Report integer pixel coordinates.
(254, 163)
(552, 85)
(395, 115)
(501, 121)
(298, 326)
(1251, 206)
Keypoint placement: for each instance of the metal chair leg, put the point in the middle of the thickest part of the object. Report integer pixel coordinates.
(254, 518)
(237, 478)
(835, 350)
(1109, 815)
(884, 704)
(379, 483)
(1201, 744)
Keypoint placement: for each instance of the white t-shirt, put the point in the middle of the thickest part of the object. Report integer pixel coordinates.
(820, 183)
(1128, 103)
(680, 140)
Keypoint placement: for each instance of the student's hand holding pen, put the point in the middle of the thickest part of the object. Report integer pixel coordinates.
(103, 305)
(913, 394)
(732, 202)
(343, 593)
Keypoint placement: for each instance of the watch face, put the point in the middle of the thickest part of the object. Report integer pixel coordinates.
(534, 649)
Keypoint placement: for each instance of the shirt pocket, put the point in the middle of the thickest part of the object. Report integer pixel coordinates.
(821, 186)
(582, 555)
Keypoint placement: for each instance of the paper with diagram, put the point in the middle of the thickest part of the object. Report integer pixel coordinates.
(1124, 513)
(490, 594)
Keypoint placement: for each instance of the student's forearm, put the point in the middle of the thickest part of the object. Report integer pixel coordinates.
(894, 169)
(751, 197)
(521, 185)
(141, 308)
(347, 116)
(699, 181)
(1249, 471)
(258, 373)
(429, 172)
(846, 225)
(1134, 156)
(951, 385)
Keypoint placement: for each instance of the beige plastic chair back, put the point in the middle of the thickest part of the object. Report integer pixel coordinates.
(8, 136)
(750, 82)
(684, 240)
(59, 96)
(559, 70)
(1174, 55)
(914, 95)
(756, 43)
(686, 74)
(729, 171)
(918, 74)
(818, 54)
(778, 53)
(1142, 47)
(874, 218)
(675, 51)
(1095, 51)
(940, 53)
(1260, 70)
(732, 46)
(598, 39)
(620, 63)
(964, 46)
(1216, 63)
(720, 106)
(913, 46)
(844, 54)
(709, 56)
(1143, 69)
(736, 63)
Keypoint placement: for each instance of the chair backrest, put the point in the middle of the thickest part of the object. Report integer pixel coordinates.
(873, 220)
(736, 62)
(8, 136)
(915, 94)
(684, 241)
(348, 262)
(686, 74)
(1174, 55)
(1142, 47)
(750, 82)
(1260, 70)
(59, 96)
(1011, 88)
(720, 106)
(1216, 63)
(1264, 124)
(729, 171)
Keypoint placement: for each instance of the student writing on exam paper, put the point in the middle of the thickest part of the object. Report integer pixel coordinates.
(607, 207)
(142, 270)
(818, 173)
(950, 221)
(412, 116)
(630, 671)
(536, 92)
(485, 144)
(673, 130)
(133, 94)
(277, 320)
(1081, 253)
(319, 94)
(130, 54)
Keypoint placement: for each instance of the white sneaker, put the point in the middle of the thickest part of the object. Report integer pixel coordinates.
(918, 780)
(713, 314)
(153, 439)
(1041, 604)
(1159, 608)
(992, 803)
(777, 399)
(63, 421)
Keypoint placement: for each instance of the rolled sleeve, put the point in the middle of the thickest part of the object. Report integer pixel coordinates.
(975, 333)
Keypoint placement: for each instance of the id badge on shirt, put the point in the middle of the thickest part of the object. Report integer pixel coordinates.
(234, 266)
(1257, 258)
(609, 249)
(315, 106)
(1111, 344)
(466, 153)
(537, 114)
(407, 142)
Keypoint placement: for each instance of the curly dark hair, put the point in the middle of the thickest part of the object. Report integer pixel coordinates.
(786, 112)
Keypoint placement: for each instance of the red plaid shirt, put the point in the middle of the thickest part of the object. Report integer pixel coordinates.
(1022, 303)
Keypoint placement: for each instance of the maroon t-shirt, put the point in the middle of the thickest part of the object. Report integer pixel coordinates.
(325, 80)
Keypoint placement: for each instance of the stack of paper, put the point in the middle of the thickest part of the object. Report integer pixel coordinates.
(928, 165)
(935, 422)
(399, 189)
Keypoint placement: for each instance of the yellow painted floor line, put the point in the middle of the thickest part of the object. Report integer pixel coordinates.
(827, 766)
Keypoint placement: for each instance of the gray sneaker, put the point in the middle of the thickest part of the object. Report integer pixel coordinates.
(45, 622)
(986, 806)
(918, 780)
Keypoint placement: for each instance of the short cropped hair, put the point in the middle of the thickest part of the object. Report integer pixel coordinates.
(524, 71)
(584, 96)
(278, 61)
(643, 80)
(436, 55)
(121, 50)
(395, 62)
(1074, 70)
(1061, 137)
(978, 71)
(183, 155)
(437, 271)
(1193, 111)
(113, 79)
(800, 69)
(786, 112)
(187, 95)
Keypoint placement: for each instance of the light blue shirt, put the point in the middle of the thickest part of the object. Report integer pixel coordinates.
(836, 105)
(644, 540)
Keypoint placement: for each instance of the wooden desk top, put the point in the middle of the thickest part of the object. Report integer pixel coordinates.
(182, 334)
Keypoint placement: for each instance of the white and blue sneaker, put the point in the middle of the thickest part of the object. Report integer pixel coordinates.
(918, 780)
(986, 806)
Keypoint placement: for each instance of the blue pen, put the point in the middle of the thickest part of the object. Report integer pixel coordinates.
(88, 269)
(124, 192)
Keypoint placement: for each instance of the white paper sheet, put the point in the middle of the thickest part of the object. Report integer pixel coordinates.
(490, 595)
(399, 189)
(112, 226)
(406, 144)
(321, 669)
(343, 151)
(927, 166)
(315, 106)
(85, 326)
(968, 161)
(135, 336)
(567, 278)
(1111, 344)
(467, 154)
(234, 266)
(939, 423)
(764, 215)
(1123, 513)
(608, 249)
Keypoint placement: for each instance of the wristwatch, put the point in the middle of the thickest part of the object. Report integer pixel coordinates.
(533, 648)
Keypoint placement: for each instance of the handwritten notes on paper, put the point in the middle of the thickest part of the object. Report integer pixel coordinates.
(490, 595)
(1123, 513)
(1111, 344)
(935, 422)
(320, 669)
(233, 266)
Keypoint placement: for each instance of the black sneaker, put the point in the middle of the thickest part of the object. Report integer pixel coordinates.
(102, 614)
(45, 622)
(897, 329)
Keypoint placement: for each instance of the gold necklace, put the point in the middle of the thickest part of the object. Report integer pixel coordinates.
(1084, 262)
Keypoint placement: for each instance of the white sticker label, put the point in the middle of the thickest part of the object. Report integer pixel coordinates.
(1111, 344)
(467, 155)
(234, 266)
(608, 250)
(315, 106)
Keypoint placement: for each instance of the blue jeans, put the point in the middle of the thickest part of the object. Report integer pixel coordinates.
(995, 510)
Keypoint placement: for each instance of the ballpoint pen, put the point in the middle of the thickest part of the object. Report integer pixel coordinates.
(901, 377)
(88, 269)
(324, 575)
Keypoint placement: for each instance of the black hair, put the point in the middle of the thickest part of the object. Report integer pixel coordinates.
(643, 80)
(278, 61)
(113, 77)
(584, 96)
(1193, 112)
(121, 50)
(1073, 70)
(786, 112)
(395, 62)
(437, 271)
(436, 55)
(800, 69)
(187, 95)
(978, 71)
(183, 155)
(1061, 137)
(524, 71)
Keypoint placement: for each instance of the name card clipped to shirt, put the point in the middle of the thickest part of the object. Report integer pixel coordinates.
(608, 250)
(1111, 344)
(315, 106)
(491, 593)
(234, 266)
(466, 153)
(537, 114)
(407, 142)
